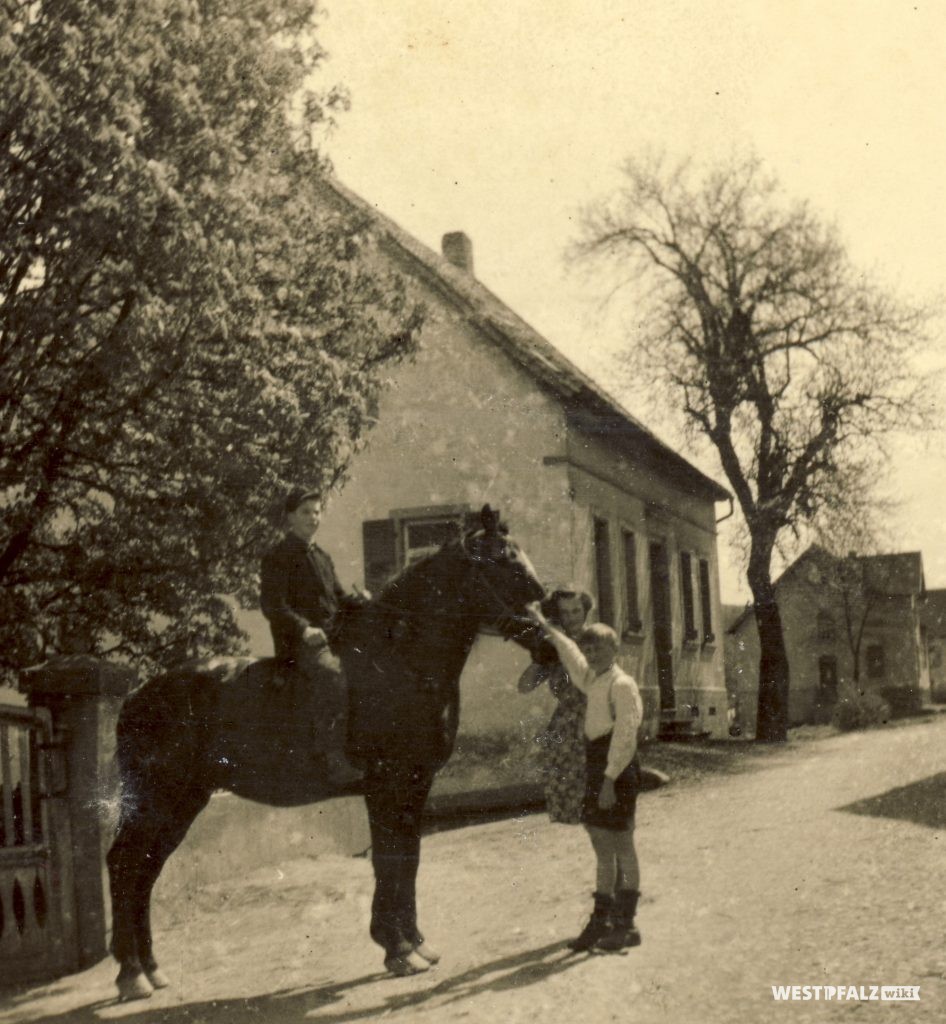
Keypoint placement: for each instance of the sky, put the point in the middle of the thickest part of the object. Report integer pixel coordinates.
(504, 119)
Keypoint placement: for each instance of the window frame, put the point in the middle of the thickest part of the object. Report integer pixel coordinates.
(706, 600)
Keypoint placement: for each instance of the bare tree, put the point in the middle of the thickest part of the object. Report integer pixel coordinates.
(788, 359)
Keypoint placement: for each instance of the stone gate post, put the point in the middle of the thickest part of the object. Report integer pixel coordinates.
(84, 694)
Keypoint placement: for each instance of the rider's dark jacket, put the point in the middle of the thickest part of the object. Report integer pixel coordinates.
(298, 588)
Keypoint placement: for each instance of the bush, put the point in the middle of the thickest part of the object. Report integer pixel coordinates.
(857, 709)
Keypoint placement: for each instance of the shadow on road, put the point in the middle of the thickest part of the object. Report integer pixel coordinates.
(923, 803)
(321, 1003)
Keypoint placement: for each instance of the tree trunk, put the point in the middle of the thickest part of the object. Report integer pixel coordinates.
(772, 720)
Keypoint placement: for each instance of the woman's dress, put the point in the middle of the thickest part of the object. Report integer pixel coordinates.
(564, 745)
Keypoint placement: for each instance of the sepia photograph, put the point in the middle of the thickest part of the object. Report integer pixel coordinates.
(472, 543)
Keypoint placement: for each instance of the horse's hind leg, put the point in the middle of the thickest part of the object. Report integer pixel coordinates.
(152, 825)
(125, 862)
(174, 827)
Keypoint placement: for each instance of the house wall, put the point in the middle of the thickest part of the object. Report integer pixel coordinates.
(614, 488)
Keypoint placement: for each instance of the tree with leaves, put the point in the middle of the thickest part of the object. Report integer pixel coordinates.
(789, 360)
(186, 327)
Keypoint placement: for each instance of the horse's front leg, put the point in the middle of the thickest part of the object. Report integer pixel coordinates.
(391, 795)
(417, 791)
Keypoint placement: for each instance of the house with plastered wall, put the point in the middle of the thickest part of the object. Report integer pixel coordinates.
(489, 411)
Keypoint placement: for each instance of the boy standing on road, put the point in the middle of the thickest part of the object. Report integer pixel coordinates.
(612, 718)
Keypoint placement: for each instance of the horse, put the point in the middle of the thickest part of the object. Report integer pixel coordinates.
(222, 724)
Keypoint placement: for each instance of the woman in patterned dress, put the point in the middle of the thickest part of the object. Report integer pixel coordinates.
(564, 736)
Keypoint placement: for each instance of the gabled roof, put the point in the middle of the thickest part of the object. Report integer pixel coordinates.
(582, 397)
(894, 575)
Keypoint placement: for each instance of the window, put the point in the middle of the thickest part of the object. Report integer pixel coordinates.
(686, 587)
(825, 627)
(422, 537)
(876, 662)
(827, 679)
(706, 602)
(632, 623)
(602, 552)
(389, 545)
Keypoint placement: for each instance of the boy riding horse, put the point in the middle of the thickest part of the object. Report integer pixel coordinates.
(300, 596)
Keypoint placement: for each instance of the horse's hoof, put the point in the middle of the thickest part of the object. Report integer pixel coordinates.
(430, 955)
(134, 986)
(158, 978)
(401, 965)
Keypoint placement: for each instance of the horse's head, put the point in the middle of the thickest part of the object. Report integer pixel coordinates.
(503, 580)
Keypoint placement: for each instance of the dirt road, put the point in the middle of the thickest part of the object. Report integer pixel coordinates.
(820, 865)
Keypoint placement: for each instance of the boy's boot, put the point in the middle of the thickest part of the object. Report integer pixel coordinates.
(622, 933)
(598, 924)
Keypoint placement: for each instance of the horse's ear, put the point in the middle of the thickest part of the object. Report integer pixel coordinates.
(490, 520)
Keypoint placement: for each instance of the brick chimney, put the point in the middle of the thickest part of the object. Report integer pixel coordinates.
(458, 249)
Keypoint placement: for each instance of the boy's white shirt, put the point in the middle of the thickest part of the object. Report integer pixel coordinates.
(614, 703)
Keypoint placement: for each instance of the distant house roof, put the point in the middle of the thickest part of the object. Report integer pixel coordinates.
(895, 575)
(732, 613)
(583, 398)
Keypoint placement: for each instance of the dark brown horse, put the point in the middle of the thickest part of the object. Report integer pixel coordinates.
(222, 725)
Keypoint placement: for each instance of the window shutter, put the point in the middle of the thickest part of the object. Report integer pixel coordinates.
(379, 543)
